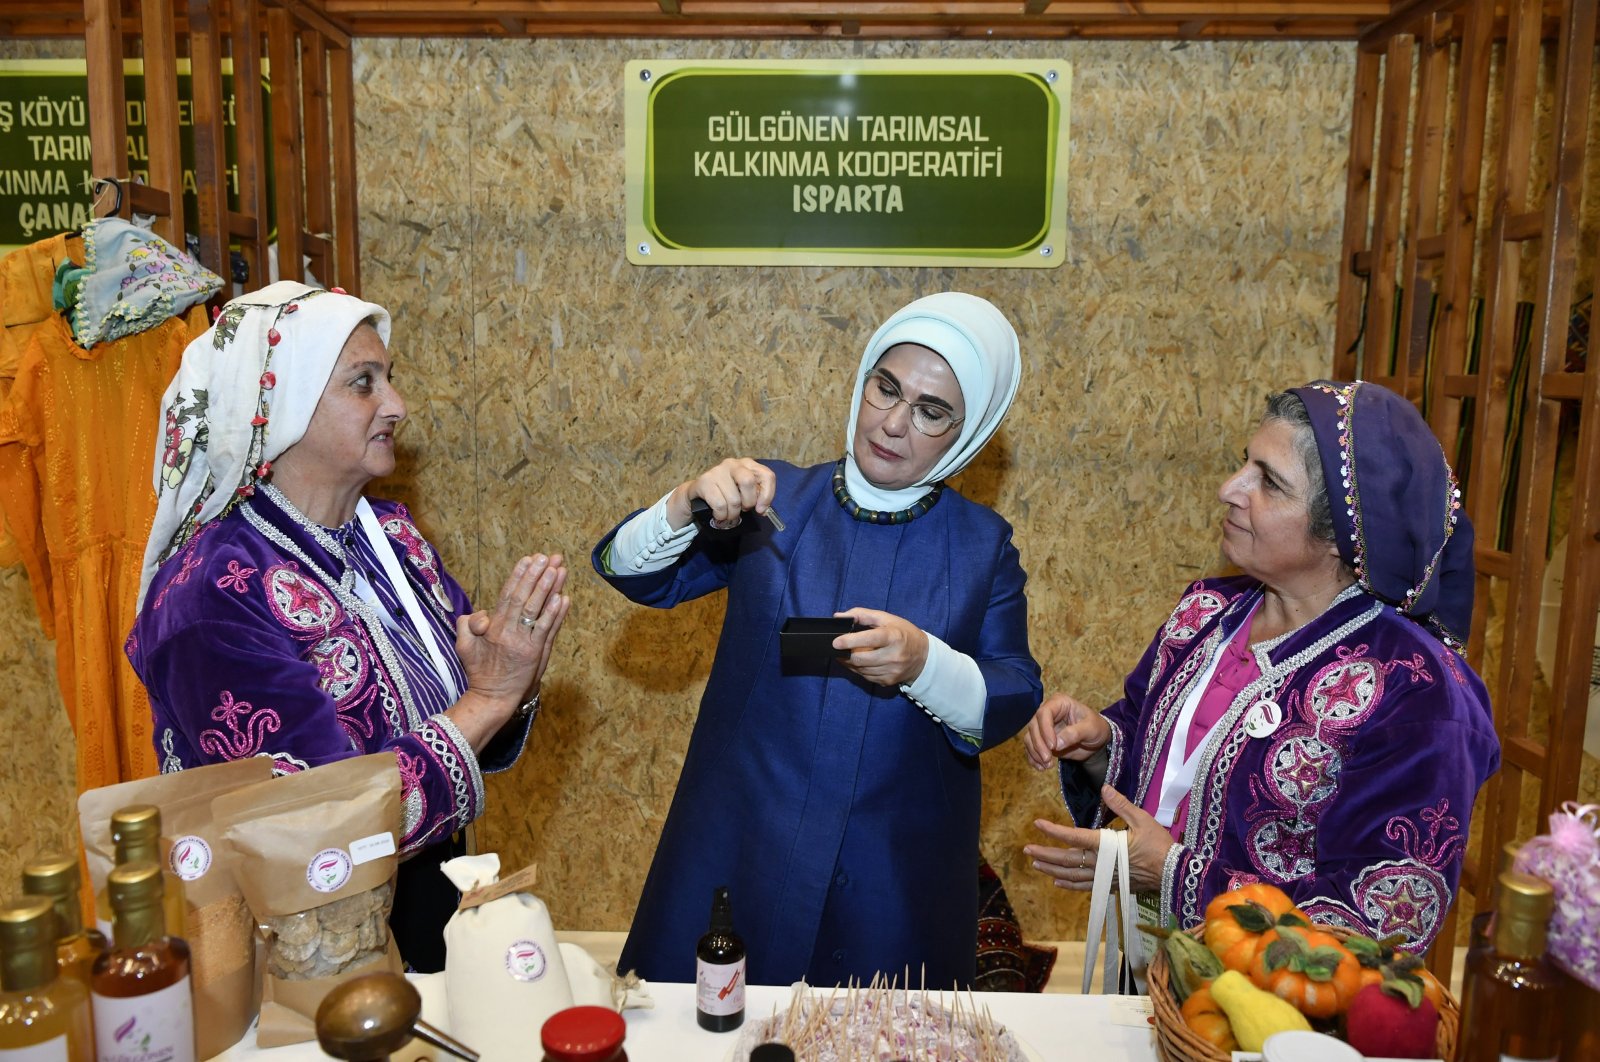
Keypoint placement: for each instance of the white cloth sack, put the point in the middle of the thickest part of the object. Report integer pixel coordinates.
(1111, 866)
(504, 972)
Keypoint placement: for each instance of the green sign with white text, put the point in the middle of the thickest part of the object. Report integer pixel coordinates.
(45, 170)
(866, 162)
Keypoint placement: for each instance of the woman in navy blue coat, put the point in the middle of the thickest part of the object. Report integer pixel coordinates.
(839, 799)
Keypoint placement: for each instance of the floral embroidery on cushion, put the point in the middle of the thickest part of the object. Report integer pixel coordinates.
(239, 741)
(299, 603)
(237, 579)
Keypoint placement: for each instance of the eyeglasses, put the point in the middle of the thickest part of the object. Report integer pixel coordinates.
(932, 420)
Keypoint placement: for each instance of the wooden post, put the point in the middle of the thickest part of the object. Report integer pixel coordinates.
(286, 159)
(249, 142)
(346, 216)
(318, 153)
(1357, 192)
(210, 158)
(108, 102)
(161, 114)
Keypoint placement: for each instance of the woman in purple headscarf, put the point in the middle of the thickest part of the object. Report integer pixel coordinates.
(1309, 722)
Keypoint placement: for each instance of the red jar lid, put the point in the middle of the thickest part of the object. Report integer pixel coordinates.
(582, 1034)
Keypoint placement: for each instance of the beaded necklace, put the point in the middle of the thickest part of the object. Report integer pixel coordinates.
(874, 516)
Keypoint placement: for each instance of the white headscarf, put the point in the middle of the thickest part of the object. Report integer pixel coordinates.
(244, 394)
(982, 350)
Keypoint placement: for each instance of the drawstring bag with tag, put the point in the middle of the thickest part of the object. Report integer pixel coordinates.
(1114, 915)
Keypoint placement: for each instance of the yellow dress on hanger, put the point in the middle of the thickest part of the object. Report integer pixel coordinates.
(78, 432)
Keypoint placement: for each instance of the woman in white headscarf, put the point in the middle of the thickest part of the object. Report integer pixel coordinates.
(282, 613)
(839, 799)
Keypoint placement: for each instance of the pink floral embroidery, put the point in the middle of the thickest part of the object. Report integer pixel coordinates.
(238, 743)
(1417, 666)
(237, 579)
(1433, 852)
(191, 561)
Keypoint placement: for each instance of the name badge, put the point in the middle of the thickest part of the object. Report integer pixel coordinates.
(1263, 719)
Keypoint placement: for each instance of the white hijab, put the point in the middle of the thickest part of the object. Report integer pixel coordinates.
(244, 394)
(980, 346)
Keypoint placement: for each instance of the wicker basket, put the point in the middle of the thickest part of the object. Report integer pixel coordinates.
(1176, 1042)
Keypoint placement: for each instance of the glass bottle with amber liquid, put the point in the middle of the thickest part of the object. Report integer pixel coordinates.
(136, 835)
(55, 877)
(1515, 995)
(719, 969)
(143, 1001)
(44, 1017)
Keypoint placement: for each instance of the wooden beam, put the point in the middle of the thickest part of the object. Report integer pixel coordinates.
(210, 143)
(250, 139)
(346, 212)
(1378, 327)
(108, 102)
(670, 7)
(287, 166)
(318, 152)
(162, 148)
(1427, 162)
(1357, 194)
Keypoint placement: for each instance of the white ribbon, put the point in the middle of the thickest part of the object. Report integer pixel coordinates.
(1112, 861)
(408, 598)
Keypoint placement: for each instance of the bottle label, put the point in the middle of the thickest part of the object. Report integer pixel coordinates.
(158, 1027)
(329, 869)
(50, 1051)
(525, 961)
(719, 989)
(190, 858)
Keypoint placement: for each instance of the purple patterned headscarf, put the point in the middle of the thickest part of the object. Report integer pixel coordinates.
(1397, 515)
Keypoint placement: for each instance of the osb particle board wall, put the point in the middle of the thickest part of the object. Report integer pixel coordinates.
(554, 387)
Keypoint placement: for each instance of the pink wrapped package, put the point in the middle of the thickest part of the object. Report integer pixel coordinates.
(1568, 857)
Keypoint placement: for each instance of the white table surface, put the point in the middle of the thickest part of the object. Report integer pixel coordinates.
(1056, 1027)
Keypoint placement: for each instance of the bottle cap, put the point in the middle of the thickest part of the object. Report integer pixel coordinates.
(27, 922)
(1522, 914)
(27, 943)
(52, 875)
(721, 909)
(583, 1034)
(136, 823)
(772, 1053)
(136, 884)
(1297, 1045)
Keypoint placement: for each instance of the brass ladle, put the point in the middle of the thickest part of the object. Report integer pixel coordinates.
(369, 1018)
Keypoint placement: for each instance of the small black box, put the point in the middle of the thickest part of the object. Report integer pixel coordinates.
(812, 636)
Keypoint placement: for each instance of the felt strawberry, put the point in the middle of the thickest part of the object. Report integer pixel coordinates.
(1393, 1020)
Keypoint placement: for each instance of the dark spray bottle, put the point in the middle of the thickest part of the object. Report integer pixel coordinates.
(719, 969)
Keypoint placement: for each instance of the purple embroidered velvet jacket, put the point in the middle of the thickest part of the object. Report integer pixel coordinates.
(246, 651)
(1357, 805)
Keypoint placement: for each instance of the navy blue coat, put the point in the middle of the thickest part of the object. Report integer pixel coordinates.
(842, 817)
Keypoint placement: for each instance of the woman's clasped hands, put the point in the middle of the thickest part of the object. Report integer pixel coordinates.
(505, 650)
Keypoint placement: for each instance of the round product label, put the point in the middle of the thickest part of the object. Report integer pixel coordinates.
(190, 857)
(525, 961)
(328, 869)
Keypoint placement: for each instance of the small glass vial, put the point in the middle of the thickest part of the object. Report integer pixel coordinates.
(55, 877)
(584, 1034)
(719, 969)
(44, 1017)
(136, 834)
(143, 997)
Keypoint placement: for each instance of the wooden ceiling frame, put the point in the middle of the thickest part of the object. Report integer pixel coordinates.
(313, 115)
(1178, 20)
